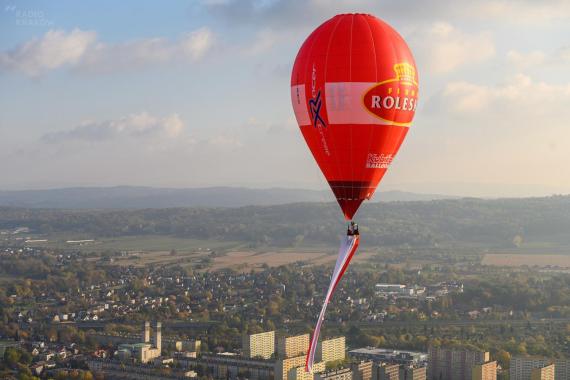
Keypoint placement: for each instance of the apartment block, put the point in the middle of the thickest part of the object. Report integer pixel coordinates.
(522, 366)
(485, 371)
(283, 366)
(385, 371)
(413, 373)
(362, 370)
(454, 364)
(542, 373)
(260, 345)
(299, 373)
(341, 374)
(332, 349)
(290, 346)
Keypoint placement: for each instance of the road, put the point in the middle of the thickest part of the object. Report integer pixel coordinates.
(461, 323)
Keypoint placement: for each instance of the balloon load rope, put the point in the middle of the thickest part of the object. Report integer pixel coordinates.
(348, 246)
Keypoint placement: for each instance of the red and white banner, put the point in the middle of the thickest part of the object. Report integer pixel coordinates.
(348, 246)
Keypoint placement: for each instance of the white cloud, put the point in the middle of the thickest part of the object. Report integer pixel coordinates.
(521, 11)
(172, 125)
(132, 126)
(197, 43)
(81, 50)
(481, 130)
(467, 97)
(224, 141)
(248, 133)
(53, 50)
(254, 125)
(564, 54)
(513, 132)
(520, 94)
(526, 60)
(264, 40)
(442, 48)
(292, 14)
(536, 58)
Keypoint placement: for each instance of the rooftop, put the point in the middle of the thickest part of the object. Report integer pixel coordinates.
(384, 351)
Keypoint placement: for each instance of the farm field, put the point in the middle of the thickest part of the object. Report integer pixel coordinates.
(156, 258)
(144, 243)
(517, 260)
(252, 260)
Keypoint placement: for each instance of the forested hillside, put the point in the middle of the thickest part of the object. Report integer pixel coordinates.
(483, 223)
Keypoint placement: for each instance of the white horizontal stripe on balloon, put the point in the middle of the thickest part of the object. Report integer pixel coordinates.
(344, 103)
(299, 101)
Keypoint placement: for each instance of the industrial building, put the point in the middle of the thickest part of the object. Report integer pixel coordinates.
(144, 351)
(409, 358)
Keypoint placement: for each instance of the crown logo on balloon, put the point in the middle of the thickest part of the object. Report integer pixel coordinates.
(405, 72)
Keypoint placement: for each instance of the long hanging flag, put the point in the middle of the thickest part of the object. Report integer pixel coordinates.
(348, 246)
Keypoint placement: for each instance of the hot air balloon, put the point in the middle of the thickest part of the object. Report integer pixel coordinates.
(354, 89)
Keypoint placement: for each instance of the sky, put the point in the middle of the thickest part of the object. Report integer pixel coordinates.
(196, 93)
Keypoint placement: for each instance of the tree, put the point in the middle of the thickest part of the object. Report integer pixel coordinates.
(12, 357)
(504, 359)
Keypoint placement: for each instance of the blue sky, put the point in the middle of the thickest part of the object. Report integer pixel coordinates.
(196, 93)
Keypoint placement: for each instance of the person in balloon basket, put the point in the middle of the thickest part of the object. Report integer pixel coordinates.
(352, 229)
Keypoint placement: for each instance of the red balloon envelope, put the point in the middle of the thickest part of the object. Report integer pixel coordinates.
(354, 89)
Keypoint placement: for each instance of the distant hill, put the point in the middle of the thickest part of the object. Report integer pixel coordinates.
(130, 197)
(540, 224)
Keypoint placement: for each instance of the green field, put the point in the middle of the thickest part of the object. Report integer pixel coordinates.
(146, 243)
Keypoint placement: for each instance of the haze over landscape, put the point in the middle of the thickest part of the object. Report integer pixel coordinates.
(146, 197)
